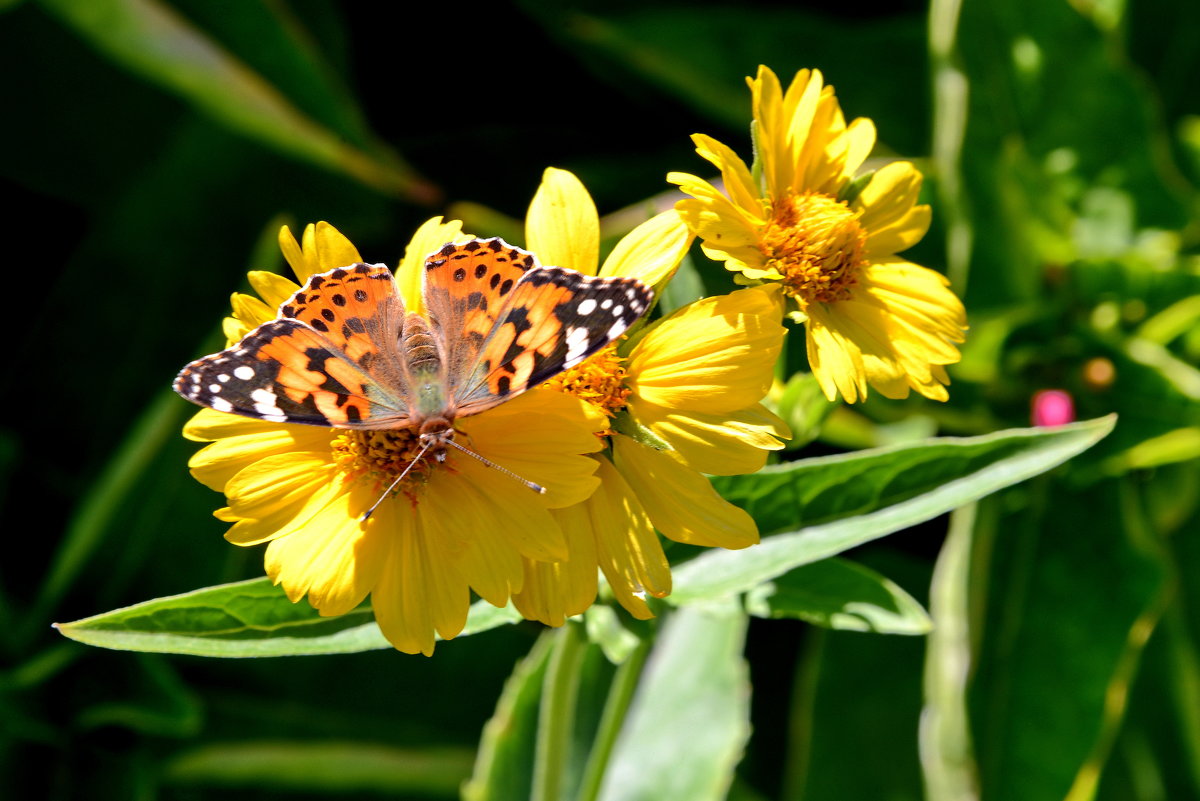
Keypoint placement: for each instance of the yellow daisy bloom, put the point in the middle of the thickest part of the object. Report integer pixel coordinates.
(682, 401)
(870, 316)
(452, 526)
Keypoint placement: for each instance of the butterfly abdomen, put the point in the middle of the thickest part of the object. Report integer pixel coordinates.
(426, 374)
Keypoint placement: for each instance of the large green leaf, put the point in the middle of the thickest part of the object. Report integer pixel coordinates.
(828, 504)
(245, 618)
(155, 41)
(839, 594)
(690, 717)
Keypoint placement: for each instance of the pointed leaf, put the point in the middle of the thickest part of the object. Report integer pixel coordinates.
(152, 39)
(690, 718)
(839, 594)
(829, 504)
(246, 618)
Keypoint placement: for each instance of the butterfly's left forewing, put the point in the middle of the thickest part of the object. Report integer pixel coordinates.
(331, 359)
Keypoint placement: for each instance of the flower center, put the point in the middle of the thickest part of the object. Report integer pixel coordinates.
(817, 244)
(381, 456)
(599, 380)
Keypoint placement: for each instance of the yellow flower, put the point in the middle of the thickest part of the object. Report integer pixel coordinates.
(452, 526)
(683, 401)
(870, 316)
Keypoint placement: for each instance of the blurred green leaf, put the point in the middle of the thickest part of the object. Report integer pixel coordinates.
(95, 514)
(605, 629)
(702, 58)
(947, 751)
(696, 688)
(156, 42)
(855, 711)
(164, 705)
(246, 618)
(839, 594)
(1041, 80)
(803, 406)
(505, 757)
(321, 767)
(843, 501)
(1075, 584)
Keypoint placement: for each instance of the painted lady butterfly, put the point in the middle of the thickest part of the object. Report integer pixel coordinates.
(345, 353)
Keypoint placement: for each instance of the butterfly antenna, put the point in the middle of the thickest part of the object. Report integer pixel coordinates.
(538, 488)
(399, 478)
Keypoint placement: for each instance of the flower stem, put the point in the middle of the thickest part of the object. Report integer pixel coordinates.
(556, 717)
(620, 694)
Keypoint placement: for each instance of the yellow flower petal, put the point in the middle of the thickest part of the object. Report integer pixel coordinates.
(735, 175)
(860, 141)
(713, 355)
(420, 589)
(250, 310)
(432, 236)
(554, 591)
(651, 251)
(324, 248)
(833, 359)
(541, 436)
(489, 561)
(332, 249)
(518, 515)
(220, 461)
(276, 484)
(681, 503)
(335, 559)
(718, 443)
(892, 221)
(713, 217)
(251, 531)
(274, 289)
(562, 227)
(627, 549)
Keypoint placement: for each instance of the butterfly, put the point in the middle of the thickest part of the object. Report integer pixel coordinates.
(345, 353)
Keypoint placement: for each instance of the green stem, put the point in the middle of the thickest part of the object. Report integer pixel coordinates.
(556, 717)
(620, 694)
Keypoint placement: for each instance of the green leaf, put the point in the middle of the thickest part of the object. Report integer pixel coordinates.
(803, 406)
(503, 765)
(947, 752)
(1072, 583)
(689, 720)
(246, 618)
(153, 40)
(839, 594)
(844, 501)
(322, 767)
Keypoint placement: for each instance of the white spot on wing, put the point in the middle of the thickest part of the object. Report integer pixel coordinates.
(221, 405)
(587, 306)
(245, 373)
(617, 328)
(577, 343)
(618, 311)
(606, 303)
(264, 404)
(214, 388)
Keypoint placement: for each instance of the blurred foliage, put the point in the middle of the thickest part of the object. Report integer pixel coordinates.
(153, 146)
